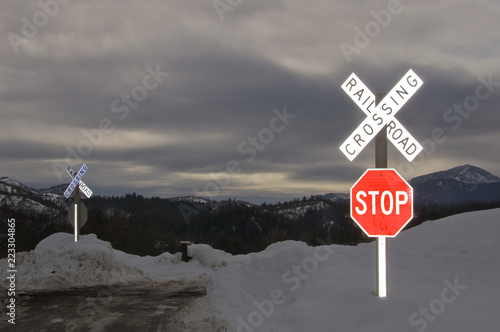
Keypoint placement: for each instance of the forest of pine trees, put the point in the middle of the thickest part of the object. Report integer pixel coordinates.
(151, 226)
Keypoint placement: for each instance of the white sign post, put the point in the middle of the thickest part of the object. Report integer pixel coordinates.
(381, 115)
(78, 212)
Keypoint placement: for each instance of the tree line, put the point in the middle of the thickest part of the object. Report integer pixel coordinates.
(150, 226)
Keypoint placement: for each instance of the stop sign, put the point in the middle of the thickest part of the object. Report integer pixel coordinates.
(381, 202)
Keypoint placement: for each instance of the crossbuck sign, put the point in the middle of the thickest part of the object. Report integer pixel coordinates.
(381, 115)
(76, 180)
(83, 187)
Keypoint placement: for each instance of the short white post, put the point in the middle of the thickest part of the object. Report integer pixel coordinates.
(77, 201)
(381, 267)
(76, 222)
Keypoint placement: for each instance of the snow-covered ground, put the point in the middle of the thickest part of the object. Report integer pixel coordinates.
(443, 276)
(58, 263)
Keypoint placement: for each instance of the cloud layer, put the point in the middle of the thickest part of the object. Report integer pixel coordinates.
(158, 97)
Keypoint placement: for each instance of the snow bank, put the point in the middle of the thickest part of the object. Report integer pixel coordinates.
(212, 258)
(58, 262)
(443, 276)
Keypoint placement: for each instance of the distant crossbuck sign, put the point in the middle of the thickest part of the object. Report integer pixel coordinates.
(381, 115)
(76, 181)
(83, 187)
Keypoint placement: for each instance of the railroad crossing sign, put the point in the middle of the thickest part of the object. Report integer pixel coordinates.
(76, 181)
(381, 202)
(77, 212)
(83, 187)
(381, 115)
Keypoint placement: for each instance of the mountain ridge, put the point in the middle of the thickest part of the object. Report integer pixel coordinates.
(455, 185)
(150, 226)
(466, 173)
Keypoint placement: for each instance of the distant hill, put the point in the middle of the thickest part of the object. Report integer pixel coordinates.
(462, 184)
(58, 190)
(152, 225)
(455, 186)
(340, 198)
(20, 197)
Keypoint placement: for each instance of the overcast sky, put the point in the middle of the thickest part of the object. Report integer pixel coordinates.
(238, 98)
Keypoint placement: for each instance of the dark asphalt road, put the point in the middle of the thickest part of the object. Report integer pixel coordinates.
(113, 308)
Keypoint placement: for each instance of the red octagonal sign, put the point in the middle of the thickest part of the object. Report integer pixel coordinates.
(381, 202)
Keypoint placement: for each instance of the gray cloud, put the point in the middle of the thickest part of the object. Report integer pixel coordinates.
(224, 80)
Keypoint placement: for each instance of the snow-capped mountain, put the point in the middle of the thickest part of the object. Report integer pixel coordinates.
(232, 225)
(457, 185)
(11, 185)
(465, 174)
(21, 197)
(57, 190)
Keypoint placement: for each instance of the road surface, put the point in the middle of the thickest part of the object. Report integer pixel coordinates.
(107, 308)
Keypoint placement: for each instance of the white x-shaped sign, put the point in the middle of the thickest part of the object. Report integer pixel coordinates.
(380, 116)
(76, 180)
